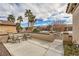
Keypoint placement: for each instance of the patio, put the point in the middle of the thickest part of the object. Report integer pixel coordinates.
(36, 47)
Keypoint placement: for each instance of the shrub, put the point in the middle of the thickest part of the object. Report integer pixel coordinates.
(70, 49)
(36, 31)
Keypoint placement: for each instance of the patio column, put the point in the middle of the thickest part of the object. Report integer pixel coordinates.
(76, 26)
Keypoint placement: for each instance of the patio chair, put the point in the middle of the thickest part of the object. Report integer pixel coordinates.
(11, 38)
(17, 38)
(24, 36)
(29, 36)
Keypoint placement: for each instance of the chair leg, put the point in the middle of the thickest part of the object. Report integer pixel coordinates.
(18, 40)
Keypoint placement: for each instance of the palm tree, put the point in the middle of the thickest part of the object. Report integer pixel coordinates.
(11, 18)
(18, 27)
(19, 19)
(31, 17)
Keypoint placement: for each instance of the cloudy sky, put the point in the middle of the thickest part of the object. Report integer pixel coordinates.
(40, 10)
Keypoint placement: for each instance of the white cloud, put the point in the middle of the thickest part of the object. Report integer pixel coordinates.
(42, 10)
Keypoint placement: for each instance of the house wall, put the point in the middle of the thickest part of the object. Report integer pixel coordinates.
(76, 26)
(8, 28)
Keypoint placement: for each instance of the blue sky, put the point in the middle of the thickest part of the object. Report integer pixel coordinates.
(49, 21)
(45, 11)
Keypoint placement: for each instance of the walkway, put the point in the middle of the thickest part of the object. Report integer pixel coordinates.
(35, 47)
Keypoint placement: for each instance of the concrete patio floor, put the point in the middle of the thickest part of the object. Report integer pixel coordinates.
(36, 47)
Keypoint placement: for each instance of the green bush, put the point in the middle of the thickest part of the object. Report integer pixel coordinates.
(70, 49)
(36, 31)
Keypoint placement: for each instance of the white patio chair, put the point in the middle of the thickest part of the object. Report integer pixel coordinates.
(11, 38)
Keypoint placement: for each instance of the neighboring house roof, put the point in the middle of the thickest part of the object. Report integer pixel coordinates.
(65, 25)
(71, 7)
(7, 23)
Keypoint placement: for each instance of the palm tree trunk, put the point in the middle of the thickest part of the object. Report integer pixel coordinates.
(32, 23)
(17, 27)
(28, 25)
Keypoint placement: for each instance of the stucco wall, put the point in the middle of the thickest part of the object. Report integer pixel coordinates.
(76, 26)
(8, 28)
